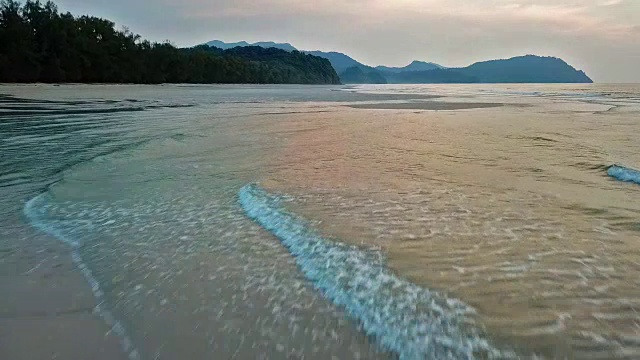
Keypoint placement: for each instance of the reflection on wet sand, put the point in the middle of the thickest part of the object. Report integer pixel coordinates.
(426, 105)
(509, 209)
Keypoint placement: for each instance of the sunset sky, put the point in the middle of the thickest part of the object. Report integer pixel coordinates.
(601, 37)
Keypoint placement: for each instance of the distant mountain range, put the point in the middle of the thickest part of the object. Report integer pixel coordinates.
(414, 66)
(362, 75)
(521, 69)
(265, 44)
(525, 69)
(339, 61)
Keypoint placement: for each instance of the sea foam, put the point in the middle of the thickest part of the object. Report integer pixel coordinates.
(36, 211)
(624, 174)
(412, 321)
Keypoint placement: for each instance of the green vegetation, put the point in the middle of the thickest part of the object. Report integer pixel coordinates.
(435, 76)
(39, 44)
(362, 75)
(414, 66)
(525, 69)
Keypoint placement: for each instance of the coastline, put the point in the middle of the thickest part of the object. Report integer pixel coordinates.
(404, 181)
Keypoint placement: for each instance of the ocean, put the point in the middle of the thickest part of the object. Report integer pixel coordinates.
(348, 222)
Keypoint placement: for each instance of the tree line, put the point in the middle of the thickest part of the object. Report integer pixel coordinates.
(40, 44)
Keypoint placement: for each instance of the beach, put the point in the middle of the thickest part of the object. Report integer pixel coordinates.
(412, 221)
(47, 306)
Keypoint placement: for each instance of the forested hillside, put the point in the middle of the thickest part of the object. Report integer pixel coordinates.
(526, 69)
(40, 44)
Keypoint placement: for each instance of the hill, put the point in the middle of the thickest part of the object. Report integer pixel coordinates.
(360, 75)
(526, 69)
(276, 66)
(38, 44)
(264, 44)
(414, 66)
(339, 61)
(435, 76)
(521, 69)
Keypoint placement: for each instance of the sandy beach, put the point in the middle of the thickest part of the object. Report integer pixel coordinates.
(466, 202)
(47, 307)
(318, 222)
(426, 105)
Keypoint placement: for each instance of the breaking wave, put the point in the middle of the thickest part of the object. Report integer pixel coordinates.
(35, 210)
(413, 322)
(624, 174)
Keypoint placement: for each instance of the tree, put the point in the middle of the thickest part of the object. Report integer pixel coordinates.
(37, 43)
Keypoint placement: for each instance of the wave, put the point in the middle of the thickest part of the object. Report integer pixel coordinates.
(36, 210)
(413, 322)
(624, 174)
(12, 106)
(8, 112)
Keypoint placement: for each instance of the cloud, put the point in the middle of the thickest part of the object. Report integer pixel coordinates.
(611, 3)
(585, 17)
(597, 35)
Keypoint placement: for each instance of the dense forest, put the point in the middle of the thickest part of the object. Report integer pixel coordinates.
(362, 75)
(40, 44)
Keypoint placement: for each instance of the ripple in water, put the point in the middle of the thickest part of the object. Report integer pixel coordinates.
(35, 210)
(215, 277)
(624, 174)
(414, 322)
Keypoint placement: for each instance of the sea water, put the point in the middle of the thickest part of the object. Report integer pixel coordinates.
(274, 221)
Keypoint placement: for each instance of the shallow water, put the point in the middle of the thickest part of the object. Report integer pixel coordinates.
(466, 233)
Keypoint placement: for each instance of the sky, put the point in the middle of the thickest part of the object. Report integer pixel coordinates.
(601, 37)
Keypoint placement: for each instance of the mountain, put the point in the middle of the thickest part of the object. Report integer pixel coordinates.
(263, 44)
(339, 61)
(414, 66)
(526, 69)
(360, 75)
(274, 65)
(521, 69)
(435, 76)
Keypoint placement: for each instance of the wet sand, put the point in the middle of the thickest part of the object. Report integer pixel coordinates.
(426, 105)
(507, 208)
(47, 307)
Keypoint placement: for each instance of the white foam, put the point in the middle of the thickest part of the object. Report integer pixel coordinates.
(414, 322)
(35, 211)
